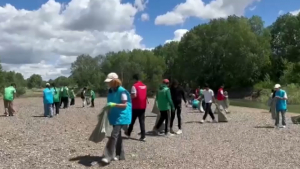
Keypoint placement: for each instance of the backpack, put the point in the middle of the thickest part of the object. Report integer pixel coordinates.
(82, 94)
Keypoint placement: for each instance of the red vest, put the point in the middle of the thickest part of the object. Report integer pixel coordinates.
(140, 101)
(220, 96)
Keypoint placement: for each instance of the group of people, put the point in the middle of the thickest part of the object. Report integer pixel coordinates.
(125, 107)
(54, 98)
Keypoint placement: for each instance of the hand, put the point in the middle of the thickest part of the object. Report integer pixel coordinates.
(110, 104)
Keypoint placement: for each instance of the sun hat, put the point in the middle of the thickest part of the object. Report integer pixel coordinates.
(47, 84)
(277, 86)
(111, 76)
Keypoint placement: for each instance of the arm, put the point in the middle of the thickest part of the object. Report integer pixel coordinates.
(133, 92)
(213, 96)
(170, 99)
(283, 98)
(124, 99)
(183, 95)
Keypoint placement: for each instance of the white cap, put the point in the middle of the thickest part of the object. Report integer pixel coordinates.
(277, 86)
(111, 76)
(47, 84)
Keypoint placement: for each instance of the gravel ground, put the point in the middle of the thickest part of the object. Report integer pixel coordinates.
(28, 141)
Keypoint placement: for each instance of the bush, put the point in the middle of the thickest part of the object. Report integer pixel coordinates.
(20, 91)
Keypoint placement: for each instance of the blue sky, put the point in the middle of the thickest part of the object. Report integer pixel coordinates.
(66, 36)
(157, 34)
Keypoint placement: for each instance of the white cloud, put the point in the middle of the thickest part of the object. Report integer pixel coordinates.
(252, 8)
(178, 34)
(197, 8)
(45, 40)
(141, 4)
(296, 12)
(281, 12)
(145, 17)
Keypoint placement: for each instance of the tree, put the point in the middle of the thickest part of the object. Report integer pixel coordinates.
(224, 51)
(34, 81)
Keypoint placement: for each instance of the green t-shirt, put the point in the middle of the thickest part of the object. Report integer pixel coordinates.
(9, 93)
(72, 94)
(64, 92)
(93, 94)
(56, 95)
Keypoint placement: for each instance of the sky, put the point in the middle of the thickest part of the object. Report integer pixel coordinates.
(45, 36)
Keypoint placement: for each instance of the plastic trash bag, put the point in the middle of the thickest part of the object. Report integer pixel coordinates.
(102, 129)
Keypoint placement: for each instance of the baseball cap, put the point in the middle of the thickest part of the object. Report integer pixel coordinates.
(111, 76)
(47, 84)
(277, 86)
(166, 81)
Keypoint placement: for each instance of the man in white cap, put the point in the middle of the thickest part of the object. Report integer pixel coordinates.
(281, 105)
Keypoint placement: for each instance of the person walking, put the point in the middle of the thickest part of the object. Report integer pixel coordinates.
(164, 104)
(8, 99)
(65, 96)
(120, 108)
(93, 95)
(209, 99)
(72, 96)
(177, 94)
(88, 96)
(222, 99)
(56, 99)
(139, 104)
(82, 95)
(281, 106)
(48, 101)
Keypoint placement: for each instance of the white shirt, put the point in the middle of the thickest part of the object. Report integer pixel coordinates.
(124, 97)
(208, 95)
(133, 90)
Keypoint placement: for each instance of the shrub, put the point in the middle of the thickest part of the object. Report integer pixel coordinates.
(20, 91)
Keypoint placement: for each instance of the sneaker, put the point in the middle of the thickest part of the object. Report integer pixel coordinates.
(127, 134)
(202, 121)
(172, 131)
(115, 159)
(142, 139)
(169, 135)
(283, 126)
(276, 127)
(179, 132)
(105, 160)
(215, 121)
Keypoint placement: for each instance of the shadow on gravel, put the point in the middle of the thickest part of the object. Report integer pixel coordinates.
(3, 116)
(264, 127)
(151, 116)
(38, 116)
(88, 160)
(189, 122)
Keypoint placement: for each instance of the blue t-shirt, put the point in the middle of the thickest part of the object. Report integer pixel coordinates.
(195, 103)
(48, 96)
(281, 104)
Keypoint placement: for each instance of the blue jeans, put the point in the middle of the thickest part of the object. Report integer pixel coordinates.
(48, 110)
(282, 112)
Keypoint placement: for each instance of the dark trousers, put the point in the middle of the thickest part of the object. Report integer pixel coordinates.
(92, 102)
(56, 106)
(138, 113)
(72, 102)
(114, 146)
(163, 117)
(178, 110)
(203, 104)
(208, 111)
(65, 101)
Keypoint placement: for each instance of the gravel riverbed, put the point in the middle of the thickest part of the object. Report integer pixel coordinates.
(247, 141)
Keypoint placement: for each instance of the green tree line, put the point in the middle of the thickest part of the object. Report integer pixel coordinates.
(237, 51)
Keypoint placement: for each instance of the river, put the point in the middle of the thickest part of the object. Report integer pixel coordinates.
(253, 104)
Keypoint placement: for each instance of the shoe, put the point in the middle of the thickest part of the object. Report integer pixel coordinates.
(115, 159)
(179, 132)
(202, 121)
(142, 139)
(172, 131)
(105, 160)
(169, 134)
(215, 121)
(283, 126)
(127, 134)
(276, 127)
